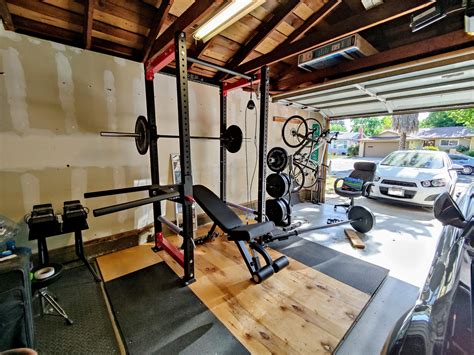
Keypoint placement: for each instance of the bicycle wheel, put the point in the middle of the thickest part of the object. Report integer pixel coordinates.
(310, 174)
(297, 175)
(294, 131)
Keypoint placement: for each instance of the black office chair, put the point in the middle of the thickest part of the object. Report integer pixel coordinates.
(362, 170)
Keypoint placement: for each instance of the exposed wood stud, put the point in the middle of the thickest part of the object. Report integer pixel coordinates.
(156, 25)
(390, 10)
(88, 19)
(6, 17)
(313, 20)
(199, 9)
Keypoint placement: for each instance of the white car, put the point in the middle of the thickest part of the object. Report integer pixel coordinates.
(414, 176)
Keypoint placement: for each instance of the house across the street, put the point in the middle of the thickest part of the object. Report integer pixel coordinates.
(343, 142)
(445, 138)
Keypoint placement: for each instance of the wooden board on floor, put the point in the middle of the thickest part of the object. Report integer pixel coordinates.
(126, 261)
(298, 310)
(354, 238)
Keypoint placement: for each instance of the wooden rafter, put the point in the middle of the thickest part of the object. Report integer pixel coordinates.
(6, 17)
(198, 10)
(312, 21)
(390, 10)
(386, 58)
(156, 25)
(88, 19)
(267, 26)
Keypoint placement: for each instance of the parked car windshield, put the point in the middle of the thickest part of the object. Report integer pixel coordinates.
(423, 160)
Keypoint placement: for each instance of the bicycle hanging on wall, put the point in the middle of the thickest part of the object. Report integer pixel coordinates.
(311, 140)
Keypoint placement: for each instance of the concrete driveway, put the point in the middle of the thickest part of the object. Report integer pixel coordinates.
(403, 241)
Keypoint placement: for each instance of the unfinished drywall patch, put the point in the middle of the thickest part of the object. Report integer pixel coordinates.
(66, 91)
(15, 88)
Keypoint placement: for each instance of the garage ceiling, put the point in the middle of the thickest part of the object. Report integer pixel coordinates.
(438, 83)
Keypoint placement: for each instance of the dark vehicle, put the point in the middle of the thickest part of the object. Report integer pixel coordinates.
(441, 320)
(466, 161)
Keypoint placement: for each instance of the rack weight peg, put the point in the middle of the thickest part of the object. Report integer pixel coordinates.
(231, 138)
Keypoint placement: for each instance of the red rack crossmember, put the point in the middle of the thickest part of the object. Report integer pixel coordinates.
(239, 84)
(159, 62)
(162, 243)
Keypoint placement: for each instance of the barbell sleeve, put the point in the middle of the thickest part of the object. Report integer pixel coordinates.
(132, 204)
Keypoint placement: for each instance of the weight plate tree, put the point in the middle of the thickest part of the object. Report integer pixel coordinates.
(231, 138)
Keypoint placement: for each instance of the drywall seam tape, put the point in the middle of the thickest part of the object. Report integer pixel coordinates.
(44, 273)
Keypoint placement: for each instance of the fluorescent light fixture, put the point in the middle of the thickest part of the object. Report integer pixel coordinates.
(226, 16)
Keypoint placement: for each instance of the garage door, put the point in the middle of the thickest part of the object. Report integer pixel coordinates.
(377, 149)
(433, 84)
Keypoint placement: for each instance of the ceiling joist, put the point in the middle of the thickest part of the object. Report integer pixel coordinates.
(88, 18)
(391, 9)
(6, 17)
(261, 33)
(403, 53)
(157, 23)
(312, 21)
(200, 9)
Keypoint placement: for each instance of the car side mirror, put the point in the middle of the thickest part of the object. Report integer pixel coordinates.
(457, 167)
(447, 211)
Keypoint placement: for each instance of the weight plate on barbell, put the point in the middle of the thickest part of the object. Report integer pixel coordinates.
(143, 141)
(277, 159)
(363, 220)
(278, 185)
(232, 138)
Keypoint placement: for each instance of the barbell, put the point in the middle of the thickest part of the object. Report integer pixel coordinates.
(231, 138)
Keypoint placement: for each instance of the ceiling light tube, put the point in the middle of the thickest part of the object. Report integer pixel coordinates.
(226, 16)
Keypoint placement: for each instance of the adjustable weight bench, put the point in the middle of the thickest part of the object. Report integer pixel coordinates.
(240, 233)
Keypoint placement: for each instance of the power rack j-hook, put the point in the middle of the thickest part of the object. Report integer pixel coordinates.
(182, 193)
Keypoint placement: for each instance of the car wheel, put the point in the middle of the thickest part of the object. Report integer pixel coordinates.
(467, 170)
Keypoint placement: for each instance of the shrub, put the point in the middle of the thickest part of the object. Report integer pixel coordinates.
(470, 153)
(353, 150)
(462, 148)
(430, 148)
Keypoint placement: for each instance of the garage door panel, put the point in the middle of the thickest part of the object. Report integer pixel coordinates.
(379, 149)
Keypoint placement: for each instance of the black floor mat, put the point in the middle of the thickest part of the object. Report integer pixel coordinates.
(364, 276)
(158, 316)
(83, 300)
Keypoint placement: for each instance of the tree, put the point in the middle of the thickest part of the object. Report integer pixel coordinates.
(404, 125)
(449, 119)
(338, 127)
(371, 125)
(439, 119)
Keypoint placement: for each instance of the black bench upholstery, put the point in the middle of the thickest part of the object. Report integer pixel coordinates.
(227, 219)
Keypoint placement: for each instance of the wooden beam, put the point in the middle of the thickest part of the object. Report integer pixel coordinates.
(6, 17)
(88, 19)
(261, 33)
(390, 10)
(313, 20)
(389, 57)
(198, 10)
(156, 25)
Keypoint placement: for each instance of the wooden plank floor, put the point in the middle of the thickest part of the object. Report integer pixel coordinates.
(298, 310)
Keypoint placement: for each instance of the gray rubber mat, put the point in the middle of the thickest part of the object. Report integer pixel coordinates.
(83, 300)
(364, 276)
(158, 316)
